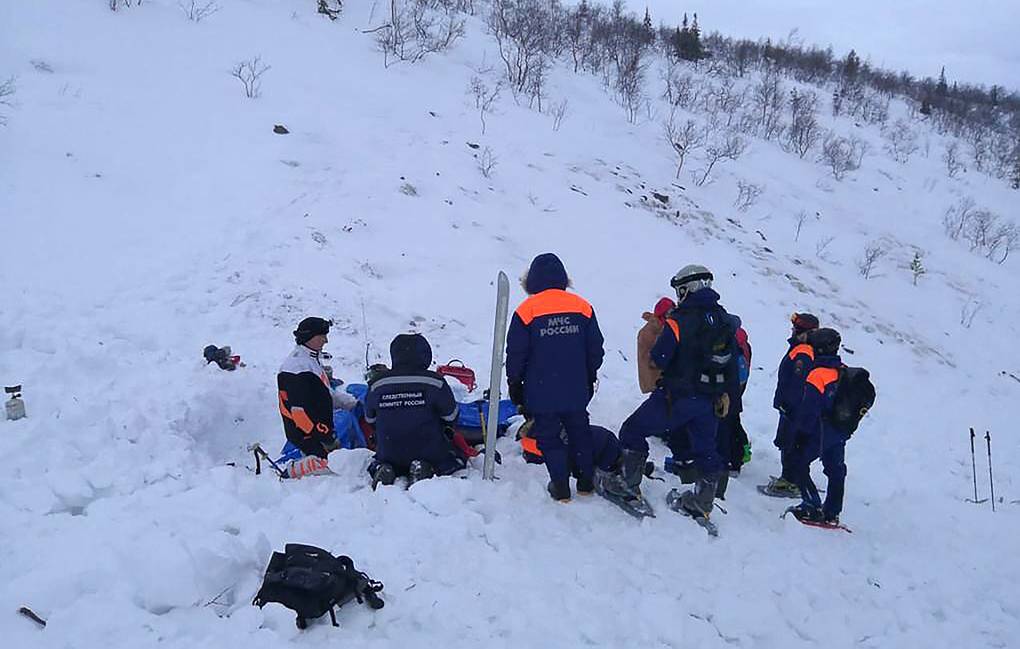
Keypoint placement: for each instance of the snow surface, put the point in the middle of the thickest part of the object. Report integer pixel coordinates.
(147, 209)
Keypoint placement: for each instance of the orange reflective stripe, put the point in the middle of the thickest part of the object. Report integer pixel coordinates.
(283, 405)
(802, 348)
(303, 421)
(552, 301)
(529, 445)
(821, 377)
(674, 327)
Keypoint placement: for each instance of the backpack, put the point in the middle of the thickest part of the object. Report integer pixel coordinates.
(744, 359)
(711, 351)
(855, 395)
(311, 582)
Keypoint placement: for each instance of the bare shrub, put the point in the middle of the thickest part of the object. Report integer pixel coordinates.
(873, 251)
(822, 246)
(728, 147)
(7, 90)
(485, 96)
(801, 219)
(951, 156)
(768, 99)
(249, 73)
(838, 154)
(197, 10)
(524, 31)
(725, 100)
(957, 217)
(630, 72)
(901, 140)
(684, 138)
(1003, 240)
(747, 195)
(486, 162)
(682, 88)
(558, 111)
(418, 28)
(330, 8)
(804, 131)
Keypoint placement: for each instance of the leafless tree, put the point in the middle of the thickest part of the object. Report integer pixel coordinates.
(957, 217)
(729, 146)
(1004, 240)
(537, 82)
(684, 138)
(629, 80)
(486, 162)
(747, 195)
(873, 251)
(768, 99)
(979, 140)
(249, 73)
(821, 247)
(682, 89)
(801, 219)
(7, 90)
(522, 31)
(951, 156)
(558, 111)
(115, 4)
(485, 96)
(838, 155)
(198, 10)
(418, 28)
(901, 140)
(725, 100)
(804, 130)
(330, 8)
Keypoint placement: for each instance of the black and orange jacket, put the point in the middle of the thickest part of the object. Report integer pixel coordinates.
(306, 401)
(793, 371)
(554, 345)
(812, 418)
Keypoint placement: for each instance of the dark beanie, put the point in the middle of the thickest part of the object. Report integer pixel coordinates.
(804, 322)
(309, 328)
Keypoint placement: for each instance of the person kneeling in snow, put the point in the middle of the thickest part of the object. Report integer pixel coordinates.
(306, 399)
(605, 453)
(413, 410)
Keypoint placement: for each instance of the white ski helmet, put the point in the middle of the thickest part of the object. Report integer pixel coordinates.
(690, 279)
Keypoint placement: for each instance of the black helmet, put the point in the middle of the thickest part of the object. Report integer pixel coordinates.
(824, 341)
(311, 327)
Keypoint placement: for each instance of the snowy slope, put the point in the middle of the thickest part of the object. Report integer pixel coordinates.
(147, 209)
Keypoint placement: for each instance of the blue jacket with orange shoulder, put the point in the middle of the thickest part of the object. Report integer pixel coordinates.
(819, 396)
(554, 345)
(793, 371)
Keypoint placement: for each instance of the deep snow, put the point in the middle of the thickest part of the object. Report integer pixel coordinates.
(147, 209)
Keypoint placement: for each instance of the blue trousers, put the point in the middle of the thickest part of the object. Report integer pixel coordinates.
(667, 416)
(560, 457)
(830, 446)
(784, 442)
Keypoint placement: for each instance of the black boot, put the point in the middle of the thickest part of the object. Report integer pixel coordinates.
(419, 470)
(383, 474)
(720, 487)
(585, 486)
(559, 490)
(632, 469)
(700, 501)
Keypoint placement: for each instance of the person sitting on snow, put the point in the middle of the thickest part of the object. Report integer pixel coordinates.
(306, 399)
(413, 411)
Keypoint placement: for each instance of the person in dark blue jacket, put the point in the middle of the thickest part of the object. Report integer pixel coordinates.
(697, 353)
(793, 371)
(411, 409)
(815, 437)
(553, 353)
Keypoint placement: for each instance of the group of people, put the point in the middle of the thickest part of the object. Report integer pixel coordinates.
(693, 362)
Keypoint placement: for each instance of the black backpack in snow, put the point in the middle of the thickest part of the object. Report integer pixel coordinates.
(311, 582)
(855, 395)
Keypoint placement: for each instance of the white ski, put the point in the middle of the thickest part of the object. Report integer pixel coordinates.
(496, 374)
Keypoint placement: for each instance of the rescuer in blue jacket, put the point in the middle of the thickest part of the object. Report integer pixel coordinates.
(553, 353)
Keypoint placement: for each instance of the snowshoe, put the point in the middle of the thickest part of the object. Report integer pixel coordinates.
(812, 517)
(779, 488)
(675, 501)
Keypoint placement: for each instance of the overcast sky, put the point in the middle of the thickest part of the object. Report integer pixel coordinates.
(977, 40)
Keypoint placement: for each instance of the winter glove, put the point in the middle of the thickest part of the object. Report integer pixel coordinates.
(722, 406)
(517, 394)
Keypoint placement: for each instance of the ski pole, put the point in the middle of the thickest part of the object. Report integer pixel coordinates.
(991, 483)
(973, 463)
